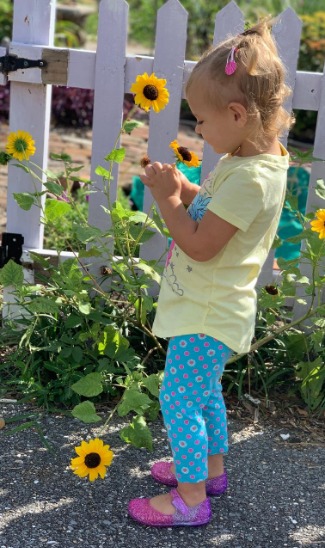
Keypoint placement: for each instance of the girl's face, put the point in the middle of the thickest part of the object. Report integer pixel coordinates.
(221, 128)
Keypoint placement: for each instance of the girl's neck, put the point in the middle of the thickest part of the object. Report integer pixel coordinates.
(248, 148)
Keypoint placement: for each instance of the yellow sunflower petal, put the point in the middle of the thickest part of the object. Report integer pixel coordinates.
(102, 471)
(150, 92)
(81, 471)
(93, 474)
(20, 145)
(77, 461)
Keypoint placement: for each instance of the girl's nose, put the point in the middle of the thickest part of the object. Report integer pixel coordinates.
(197, 129)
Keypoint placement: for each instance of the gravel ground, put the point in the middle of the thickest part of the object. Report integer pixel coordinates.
(275, 497)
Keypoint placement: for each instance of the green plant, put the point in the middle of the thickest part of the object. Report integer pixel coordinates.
(75, 339)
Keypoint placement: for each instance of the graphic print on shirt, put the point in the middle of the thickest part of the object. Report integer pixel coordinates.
(196, 210)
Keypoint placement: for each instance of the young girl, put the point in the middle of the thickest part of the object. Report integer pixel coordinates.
(207, 301)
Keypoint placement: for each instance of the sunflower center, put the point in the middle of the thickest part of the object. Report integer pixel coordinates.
(20, 145)
(150, 92)
(92, 460)
(185, 153)
(271, 289)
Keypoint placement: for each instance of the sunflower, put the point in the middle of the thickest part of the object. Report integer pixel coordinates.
(93, 459)
(318, 225)
(20, 145)
(184, 155)
(150, 91)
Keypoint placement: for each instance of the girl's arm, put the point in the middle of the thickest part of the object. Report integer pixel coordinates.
(200, 241)
(189, 190)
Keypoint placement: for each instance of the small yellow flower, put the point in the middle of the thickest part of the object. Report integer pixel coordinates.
(150, 92)
(20, 145)
(185, 155)
(93, 459)
(318, 225)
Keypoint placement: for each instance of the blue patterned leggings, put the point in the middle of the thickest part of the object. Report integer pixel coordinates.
(192, 403)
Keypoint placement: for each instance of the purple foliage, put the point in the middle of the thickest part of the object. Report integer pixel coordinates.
(4, 102)
(71, 107)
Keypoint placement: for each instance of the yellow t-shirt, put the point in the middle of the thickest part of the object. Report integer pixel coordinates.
(218, 297)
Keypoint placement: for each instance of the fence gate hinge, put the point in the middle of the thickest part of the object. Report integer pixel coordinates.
(11, 248)
(10, 63)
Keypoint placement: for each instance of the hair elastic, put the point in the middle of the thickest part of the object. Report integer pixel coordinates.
(231, 65)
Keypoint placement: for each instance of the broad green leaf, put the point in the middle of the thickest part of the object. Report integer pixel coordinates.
(73, 321)
(320, 322)
(89, 386)
(152, 384)
(133, 400)
(54, 188)
(86, 412)
(43, 305)
(151, 272)
(117, 155)
(102, 172)
(86, 233)
(55, 209)
(24, 200)
(320, 188)
(11, 274)
(84, 308)
(63, 157)
(77, 354)
(137, 434)
(91, 252)
(130, 125)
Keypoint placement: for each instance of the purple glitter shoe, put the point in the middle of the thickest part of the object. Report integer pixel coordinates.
(161, 472)
(141, 510)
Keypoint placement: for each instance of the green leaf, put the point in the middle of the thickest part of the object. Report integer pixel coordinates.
(152, 384)
(63, 157)
(42, 305)
(77, 354)
(86, 412)
(11, 274)
(320, 322)
(130, 125)
(24, 200)
(86, 233)
(55, 209)
(137, 434)
(320, 188)
(117, 155)
(151, 272)
(91, 252)
(89, 386)
(133, 400)
(84, 308)
(54, 188)
(102, 172)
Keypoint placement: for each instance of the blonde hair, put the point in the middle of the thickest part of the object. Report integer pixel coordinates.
(258, 82)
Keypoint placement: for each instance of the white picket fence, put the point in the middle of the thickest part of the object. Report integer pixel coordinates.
(110, 72)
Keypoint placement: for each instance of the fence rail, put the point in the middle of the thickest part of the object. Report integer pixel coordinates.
(110, 72)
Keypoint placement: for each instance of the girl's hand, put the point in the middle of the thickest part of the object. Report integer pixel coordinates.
(163, 180)
(166, 180)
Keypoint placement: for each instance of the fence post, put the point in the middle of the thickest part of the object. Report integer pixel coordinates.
(108, 105)
(314, 202)
(163, 127)
(30, 109)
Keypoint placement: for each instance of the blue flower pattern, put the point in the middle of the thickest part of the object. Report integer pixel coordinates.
(199, 205)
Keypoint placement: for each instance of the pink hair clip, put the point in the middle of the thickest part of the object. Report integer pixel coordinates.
(231, 65)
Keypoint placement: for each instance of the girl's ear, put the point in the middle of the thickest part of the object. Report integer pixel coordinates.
(239, 113)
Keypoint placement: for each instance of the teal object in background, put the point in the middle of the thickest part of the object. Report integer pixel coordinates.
(298, 181)
(137, 191)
